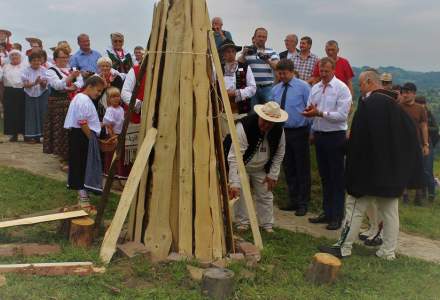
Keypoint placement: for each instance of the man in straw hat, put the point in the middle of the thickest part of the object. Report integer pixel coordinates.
(387, 81)
(262, 143)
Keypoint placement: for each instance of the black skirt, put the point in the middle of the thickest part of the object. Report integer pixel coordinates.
(14, 110)
(78, 149)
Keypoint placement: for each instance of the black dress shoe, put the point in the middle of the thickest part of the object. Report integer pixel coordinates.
(363, 237)
(333, 250)
(333, 225)
(377, 241)
(288, 207)
(300, 212)
(321, 219)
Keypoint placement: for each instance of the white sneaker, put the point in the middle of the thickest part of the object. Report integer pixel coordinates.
(269, 230)
(381, 254)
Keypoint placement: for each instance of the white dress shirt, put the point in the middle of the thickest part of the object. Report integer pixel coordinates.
(334, 101)
(81, 109)
(127, 90)
(248, 91)
(258, 161)
(60, 84)
(11, 75)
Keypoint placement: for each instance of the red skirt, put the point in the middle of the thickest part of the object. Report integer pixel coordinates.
(122, 170)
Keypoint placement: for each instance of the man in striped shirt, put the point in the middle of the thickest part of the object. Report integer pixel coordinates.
(263, 62)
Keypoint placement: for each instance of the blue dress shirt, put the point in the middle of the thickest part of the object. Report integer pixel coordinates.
(296, 101)
(85, 61)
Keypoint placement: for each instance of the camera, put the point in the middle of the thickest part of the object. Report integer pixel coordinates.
(250, 50)
(263, 56)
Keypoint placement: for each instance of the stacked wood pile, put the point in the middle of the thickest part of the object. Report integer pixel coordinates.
(178, 195)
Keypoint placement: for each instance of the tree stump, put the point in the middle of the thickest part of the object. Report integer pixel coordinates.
(81, 232)
(324, 269)
(217, 283)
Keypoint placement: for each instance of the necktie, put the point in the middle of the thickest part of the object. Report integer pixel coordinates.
(283, 97)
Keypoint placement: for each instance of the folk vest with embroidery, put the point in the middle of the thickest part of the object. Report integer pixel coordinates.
(242, 107)
(121, 65)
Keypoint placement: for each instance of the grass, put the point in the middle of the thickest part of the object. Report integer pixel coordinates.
(420, 220)
(278, 276)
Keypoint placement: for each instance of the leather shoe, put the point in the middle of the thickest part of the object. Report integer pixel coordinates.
(300, 212)
(333, 250)
(363, 237)
(321, 219)
(333, 225)
(287, 208)
(374, 242)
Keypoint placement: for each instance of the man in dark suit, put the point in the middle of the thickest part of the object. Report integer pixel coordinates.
(291, 41)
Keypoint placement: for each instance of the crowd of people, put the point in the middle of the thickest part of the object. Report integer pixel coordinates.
(282, 103)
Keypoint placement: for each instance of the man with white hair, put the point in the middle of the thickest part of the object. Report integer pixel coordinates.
(291, 41)
(220, 35)
(377, 170)
(262, 143)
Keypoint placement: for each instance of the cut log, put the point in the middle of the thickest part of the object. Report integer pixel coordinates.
(186, 119)
(218, 284)
(50, 269)
(82, 232)
(42, 219)
(324, 269)
(111, 236)
(158, 236)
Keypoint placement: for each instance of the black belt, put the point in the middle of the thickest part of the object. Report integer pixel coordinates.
(328, 132)
(263, 85)
(296, 128)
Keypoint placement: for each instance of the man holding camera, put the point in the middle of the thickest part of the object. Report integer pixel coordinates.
(263, 62)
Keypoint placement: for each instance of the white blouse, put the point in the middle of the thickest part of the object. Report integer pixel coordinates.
(11, 75)
(31, 76)
(114, 116)
(81, 109)
(60, 84)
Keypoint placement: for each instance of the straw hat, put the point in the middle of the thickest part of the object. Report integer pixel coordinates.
(272, 112)
(229, 44)
(6, 32)
(34, 40)
(387, 77)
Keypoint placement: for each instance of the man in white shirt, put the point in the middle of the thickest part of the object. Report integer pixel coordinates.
(262, 143)
(329, 106)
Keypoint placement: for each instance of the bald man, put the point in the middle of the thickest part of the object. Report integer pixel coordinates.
(220, 35)
(291, 41)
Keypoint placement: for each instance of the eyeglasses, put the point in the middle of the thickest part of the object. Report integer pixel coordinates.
(118, 41)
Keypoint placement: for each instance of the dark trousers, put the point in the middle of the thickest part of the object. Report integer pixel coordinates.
(78, 151)
(330, 154)
(297, 166)
(428, 166)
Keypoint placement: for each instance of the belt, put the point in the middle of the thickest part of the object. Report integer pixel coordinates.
(264, 85)
(329, 132)
(297, 128)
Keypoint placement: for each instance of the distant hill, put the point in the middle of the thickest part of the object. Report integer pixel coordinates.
(423, 80)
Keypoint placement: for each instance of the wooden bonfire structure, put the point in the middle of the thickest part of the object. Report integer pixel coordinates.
(176, 197)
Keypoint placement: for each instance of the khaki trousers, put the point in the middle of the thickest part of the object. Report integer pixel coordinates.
(388, 211)
(263, 201)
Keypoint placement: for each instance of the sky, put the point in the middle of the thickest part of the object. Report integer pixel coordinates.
(401, 33)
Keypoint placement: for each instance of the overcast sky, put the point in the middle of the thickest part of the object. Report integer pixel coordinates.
(402, 33)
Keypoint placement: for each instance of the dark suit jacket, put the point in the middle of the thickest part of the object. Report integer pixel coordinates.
(283, 54)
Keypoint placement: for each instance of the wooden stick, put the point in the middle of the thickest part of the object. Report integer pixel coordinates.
(185, 138)
(203, 220)
(42, 219)
(241, 168)
(158, 237)
(108, 247)
(50, 269)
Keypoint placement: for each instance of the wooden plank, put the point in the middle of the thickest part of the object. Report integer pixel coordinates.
(50, 269)
(174, 203)
(203, 220)
(241, 168)
(148, 113)
(32, 249)
(111, 236)
(42, 219)
(185, 140)
(214, 201)
(158, 237)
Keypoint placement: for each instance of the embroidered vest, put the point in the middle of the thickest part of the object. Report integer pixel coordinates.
(122, 66)
(242, 107)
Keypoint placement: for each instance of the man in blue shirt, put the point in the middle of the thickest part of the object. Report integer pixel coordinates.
(85, 58)
(292, 94)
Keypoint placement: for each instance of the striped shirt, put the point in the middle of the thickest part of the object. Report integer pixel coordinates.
(304, 67)
(263, 73)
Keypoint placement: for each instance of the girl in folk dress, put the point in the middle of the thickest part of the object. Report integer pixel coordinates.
(113, 122)
(35, 87)
(82, 122)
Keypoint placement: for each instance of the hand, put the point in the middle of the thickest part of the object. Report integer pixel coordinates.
(43, 83)
(271, 183)
(311, 111)
(71, 88)
(37, 81)
(231, 93)
(425, 150)
(138, 106)
(73, 75)
(234, 192)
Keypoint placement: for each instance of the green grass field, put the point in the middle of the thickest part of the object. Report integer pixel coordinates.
(279, 275)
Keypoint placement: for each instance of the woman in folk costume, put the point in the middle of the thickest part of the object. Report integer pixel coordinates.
(121, 59)
(35, 86)
(63, 84)
(13, 96)
(133, 128)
